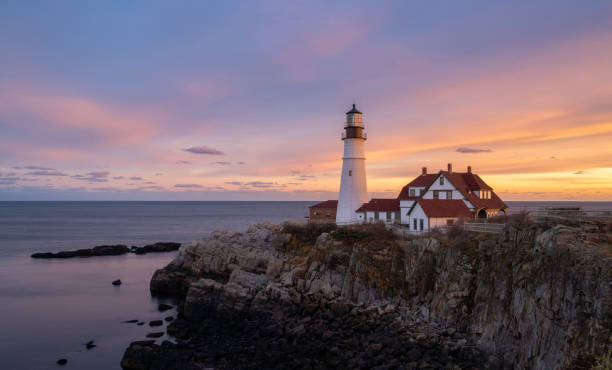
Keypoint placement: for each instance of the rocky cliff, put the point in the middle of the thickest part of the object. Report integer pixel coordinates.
(535, 296)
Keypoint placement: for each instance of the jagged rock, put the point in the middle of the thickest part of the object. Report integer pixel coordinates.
(164, 307)
(155, 334)
(156, 323)
(101, 250)
(117, 282)
(157, 247)
(62, 361)
(530, 297)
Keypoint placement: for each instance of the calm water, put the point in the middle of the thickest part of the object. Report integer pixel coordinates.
(49, 308)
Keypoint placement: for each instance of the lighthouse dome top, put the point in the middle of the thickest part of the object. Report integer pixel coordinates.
(353, 110)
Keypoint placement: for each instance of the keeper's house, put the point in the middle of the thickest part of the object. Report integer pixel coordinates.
(428, 201)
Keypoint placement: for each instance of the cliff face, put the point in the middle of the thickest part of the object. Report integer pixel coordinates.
(533, 298)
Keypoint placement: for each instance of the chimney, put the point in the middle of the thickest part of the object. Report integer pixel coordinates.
(469, 169)
(424, 170)
(450, 167)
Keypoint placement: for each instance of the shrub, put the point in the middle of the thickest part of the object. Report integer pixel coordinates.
(308, 233)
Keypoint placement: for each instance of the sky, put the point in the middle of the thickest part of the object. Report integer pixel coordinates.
(245, 100)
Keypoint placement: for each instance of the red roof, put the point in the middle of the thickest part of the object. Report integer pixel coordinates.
(444, 208)
(328, 204)
(380, 205)
(466, 182)
(420, 181)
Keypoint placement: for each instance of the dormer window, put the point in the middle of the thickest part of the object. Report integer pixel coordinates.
(441, 180)
(412, 192)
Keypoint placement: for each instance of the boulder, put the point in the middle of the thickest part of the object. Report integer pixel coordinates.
(62, 361)
(117, 282)
(163, 307)
(155, 334)
(156, 323)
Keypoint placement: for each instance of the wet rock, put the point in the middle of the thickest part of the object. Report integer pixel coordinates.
(117, 282)
(164, 307)
(130, 321)
(156, 323)
(140, 323)
(101, 250)
(155, 334)
(157, 247)
(168, 318)
(62, 361)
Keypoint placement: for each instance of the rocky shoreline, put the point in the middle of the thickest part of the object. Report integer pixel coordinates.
(111, 250)
(536, 296)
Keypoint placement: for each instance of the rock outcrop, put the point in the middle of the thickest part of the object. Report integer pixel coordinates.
(110, 250)
(533, 297)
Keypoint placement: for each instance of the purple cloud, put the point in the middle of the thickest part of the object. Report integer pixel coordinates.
(118, 178)
(46, 173)
(159, 174)
(33, 168)
(222, 163)
(136, 178)
(237, 183)
(240, 163)
(99, 174)
(203, 150)
(183, 162)
(473, 150)
(149, 183)
(259, 184)
(188, 186)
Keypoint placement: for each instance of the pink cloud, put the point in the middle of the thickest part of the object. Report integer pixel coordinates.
(118, 125)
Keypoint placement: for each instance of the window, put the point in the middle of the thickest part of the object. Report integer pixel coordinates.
(421, 224)
(450, 222)
(412, 192)
(389, 216)
(376, 216)
(316, 213)
(436, 194)
(449, 194)
(441, 180)
(421, 192)
(328, 215)
(414, 224)
(350, 172)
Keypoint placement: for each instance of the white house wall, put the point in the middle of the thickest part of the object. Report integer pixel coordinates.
(418, 214)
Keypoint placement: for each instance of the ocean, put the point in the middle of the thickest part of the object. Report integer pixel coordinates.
(50, 308)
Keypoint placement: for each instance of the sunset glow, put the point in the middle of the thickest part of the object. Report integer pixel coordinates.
(246, 101)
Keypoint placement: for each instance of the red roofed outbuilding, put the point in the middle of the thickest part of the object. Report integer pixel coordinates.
(324, 211)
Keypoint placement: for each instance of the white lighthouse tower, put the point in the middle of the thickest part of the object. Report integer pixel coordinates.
(353, 187)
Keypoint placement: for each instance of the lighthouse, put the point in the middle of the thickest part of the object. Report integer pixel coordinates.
(353, 187)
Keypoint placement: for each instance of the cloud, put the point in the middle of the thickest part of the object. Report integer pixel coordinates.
(99, 174)
(117, 124)
(295, 172)
(240, 163)
(222, 163)
(259, 184)
(8, 180)
(148, 187)
(473, 150)
(159, 174)
(118, 177)
(136, 178)
(46, 173)
(579, 172)
(183, 162)
(149, 183)
(188, 186)
(96, 177)
(203, 150)
(33, 168)
(237, 183)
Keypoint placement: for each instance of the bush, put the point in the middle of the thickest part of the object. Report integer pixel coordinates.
(308, 233)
